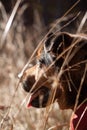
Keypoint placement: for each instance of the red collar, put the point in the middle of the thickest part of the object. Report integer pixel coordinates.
(79, 118)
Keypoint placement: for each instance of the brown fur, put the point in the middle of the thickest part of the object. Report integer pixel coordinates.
(56, 49)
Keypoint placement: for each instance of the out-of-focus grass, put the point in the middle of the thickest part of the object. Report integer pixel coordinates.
(19, 45)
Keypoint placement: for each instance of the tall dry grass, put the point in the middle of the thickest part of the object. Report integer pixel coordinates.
(16, 47)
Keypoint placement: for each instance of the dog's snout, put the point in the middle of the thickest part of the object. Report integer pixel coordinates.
(40, 97)
(26, 87)
(28, 78)
(28, 83)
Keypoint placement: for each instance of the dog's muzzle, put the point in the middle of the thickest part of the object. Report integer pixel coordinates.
(39, 98)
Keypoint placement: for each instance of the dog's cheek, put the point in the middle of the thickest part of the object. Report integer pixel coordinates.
(62, 95)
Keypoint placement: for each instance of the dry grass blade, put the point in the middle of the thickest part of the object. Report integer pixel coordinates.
(75, 65)
(4, 15)
(82, 23)
(58, 126)
(81, 117)
(65, 25)
(23, 102)
(51, 100)
(82, 81)
(8, 25)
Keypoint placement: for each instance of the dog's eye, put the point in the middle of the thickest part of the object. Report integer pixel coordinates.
(46, 59)
(41, 61)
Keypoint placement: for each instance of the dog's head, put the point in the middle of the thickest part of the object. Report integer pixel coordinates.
(59, 72)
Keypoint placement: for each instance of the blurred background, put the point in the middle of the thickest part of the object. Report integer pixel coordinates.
(23, 24)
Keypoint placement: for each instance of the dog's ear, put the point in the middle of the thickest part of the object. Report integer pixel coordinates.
(61, 42)
(57, 43)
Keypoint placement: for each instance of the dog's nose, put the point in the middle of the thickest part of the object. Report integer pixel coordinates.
(28, 83)
(25, 86)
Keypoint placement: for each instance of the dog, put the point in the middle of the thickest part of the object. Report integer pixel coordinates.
(60, 73)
